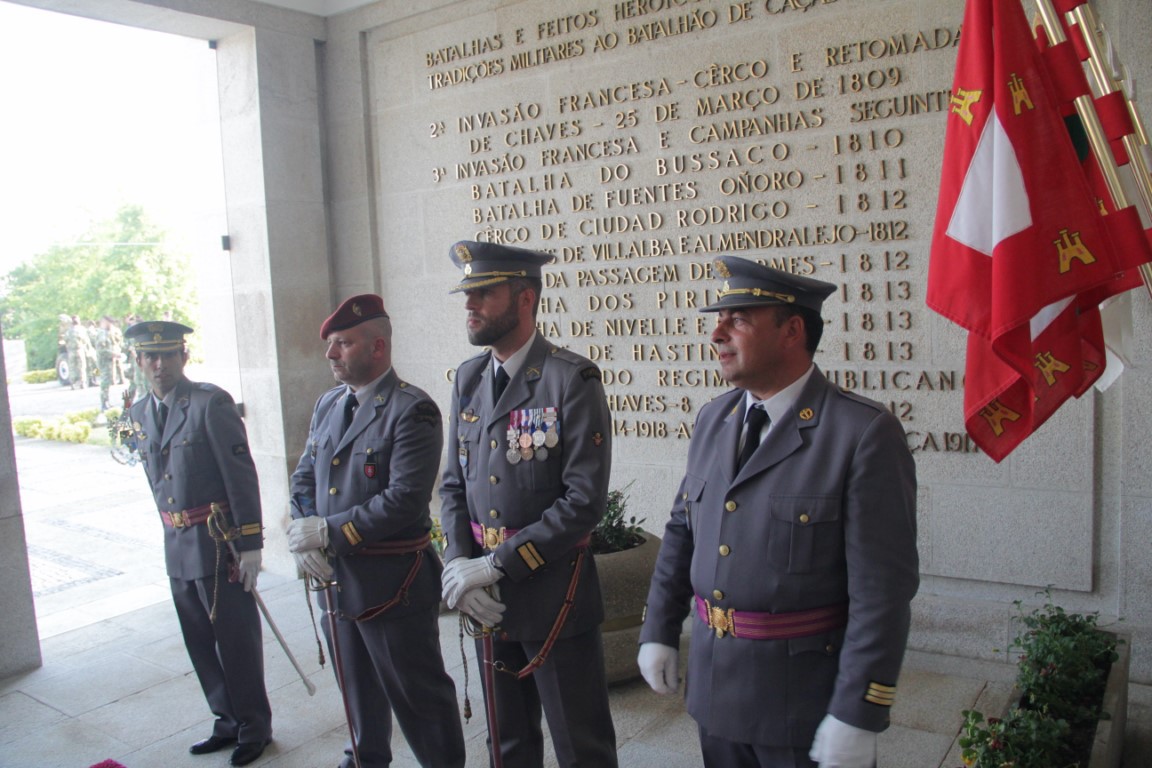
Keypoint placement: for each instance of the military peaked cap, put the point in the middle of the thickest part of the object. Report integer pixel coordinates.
(748, 284)
(487, 264)
(157, 335)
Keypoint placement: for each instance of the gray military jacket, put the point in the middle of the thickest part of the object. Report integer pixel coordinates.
(823, 513)
(202, 457)
(546, 507)
(372, 484)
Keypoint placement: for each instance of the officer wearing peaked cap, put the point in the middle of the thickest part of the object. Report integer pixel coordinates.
(360, 519)
(194, 450)
(792, 542)
(525, 484)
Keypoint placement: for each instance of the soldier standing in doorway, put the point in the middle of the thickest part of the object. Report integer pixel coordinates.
(194, 449)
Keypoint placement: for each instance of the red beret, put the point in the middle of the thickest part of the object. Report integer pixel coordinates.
(352, 312)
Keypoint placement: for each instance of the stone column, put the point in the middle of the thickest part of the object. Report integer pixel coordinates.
(272, 145)
(19, 640)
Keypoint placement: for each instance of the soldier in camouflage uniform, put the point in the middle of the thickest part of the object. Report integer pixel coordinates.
(138, 386)
(106, 351)
(119, 348)
(76, 342)
(93, 366)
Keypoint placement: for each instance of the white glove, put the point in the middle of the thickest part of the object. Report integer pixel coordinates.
(249, 567)
(839, 745)
(660, 666)
(307, 533)
(464, 574)
(314, 563)
(481, 606)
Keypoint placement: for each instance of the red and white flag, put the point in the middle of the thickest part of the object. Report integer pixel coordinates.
(1020, 254)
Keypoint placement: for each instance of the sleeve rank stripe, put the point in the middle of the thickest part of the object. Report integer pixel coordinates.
(530, 555)
(351, 533)
(881, 695)
(251, 529)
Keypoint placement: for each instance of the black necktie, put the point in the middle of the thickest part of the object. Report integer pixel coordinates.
(350, 403)
(161, 417)
(499, 384)
(755, 420)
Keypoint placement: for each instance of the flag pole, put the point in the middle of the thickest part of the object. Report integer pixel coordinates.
(1086, 110)
(1095, 40)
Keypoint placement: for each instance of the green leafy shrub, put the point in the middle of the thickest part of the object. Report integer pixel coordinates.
(75, 433)
(615, 532)
(40, 377)
(69, 428)
(1024, 738)
(82, 417)
(28, 427)
(439, 541)
(1063, 668)
(1062, 671)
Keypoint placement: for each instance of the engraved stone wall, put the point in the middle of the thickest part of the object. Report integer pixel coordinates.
(637, 140)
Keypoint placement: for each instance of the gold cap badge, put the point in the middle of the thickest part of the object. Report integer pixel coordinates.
(463, 253)
(721, 269)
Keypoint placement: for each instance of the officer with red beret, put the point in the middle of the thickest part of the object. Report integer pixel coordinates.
(360, 497)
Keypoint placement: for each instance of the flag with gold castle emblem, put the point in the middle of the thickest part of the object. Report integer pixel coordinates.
(1020, 254)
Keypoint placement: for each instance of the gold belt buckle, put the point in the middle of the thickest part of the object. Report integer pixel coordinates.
(720, 620)
(493, 537)
(179, 519)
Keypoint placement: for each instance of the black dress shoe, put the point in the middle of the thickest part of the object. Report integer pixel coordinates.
(247, 752)
(211, 744)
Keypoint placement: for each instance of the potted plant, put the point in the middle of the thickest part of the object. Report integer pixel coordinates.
(1023, 738)
(625, 558)
(1071, 688)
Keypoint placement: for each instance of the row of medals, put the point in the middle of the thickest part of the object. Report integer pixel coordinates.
(531, 432)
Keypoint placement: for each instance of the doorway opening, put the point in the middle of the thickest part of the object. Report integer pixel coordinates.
(113, 117)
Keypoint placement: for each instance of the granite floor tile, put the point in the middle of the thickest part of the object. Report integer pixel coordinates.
(20, 714)
(140, 718)
(64, 744)
(89, 681)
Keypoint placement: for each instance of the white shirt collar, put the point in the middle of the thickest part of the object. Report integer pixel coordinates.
(778, 404)
(515, 361)
(370, 386)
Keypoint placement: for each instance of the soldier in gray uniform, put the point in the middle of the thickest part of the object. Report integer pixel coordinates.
(194, 449)
(792, 542)
(360, 496)
(525, 484)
